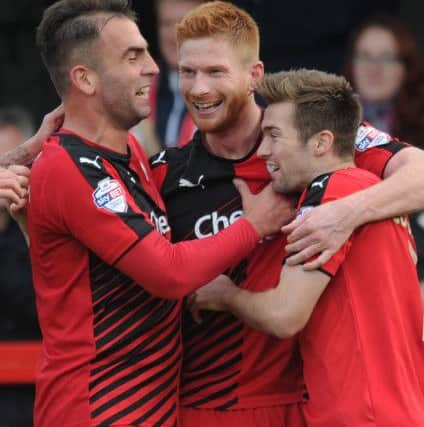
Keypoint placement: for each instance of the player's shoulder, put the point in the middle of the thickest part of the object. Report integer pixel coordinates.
(173, 156)
(369, 137)
(337, 184)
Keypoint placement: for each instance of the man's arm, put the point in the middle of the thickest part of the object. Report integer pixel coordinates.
(282, 311)
(324, 229)
(25, 153)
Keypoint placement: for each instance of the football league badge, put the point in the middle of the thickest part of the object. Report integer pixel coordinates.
(110, 195)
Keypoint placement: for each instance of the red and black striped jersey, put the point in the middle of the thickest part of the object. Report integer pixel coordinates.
(226, 364)
(362, 347)
(111, 344)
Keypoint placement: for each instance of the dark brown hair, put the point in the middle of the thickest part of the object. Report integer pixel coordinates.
(323, 101)
(67, 31)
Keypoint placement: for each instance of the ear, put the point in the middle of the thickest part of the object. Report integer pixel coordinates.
(84, 79)
(256, 74)
(323, 142)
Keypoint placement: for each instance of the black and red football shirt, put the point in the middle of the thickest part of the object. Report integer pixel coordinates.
(228, 365)
(111, 346)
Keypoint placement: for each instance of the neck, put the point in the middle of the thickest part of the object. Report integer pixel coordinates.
(91, 124)
(330, 165)
(237, 141)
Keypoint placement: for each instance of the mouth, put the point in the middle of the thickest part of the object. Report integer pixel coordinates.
(207, 107)
(143, 92)
(272, 167)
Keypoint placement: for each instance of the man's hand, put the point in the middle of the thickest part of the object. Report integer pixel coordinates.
(14, 185)
(25, 153)
(323, 230)
(267, 211)
(212, 297)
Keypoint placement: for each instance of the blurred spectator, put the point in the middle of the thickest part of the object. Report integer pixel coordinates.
(18, 320)
(310, 34)
(169, 124)
(387, 69)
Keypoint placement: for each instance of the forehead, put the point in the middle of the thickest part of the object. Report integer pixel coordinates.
(208, 52)
(120, 33)
(377, 39)
(279, 115)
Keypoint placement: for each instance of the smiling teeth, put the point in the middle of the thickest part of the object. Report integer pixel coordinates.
(271, 168)
(206, 105)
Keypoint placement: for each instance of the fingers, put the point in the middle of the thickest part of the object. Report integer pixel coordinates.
(304, 255)
(297, 229)
(318, 262)
(303, 243)
(19, 170)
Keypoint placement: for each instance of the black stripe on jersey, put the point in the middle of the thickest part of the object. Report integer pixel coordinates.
(214, 323)
(316, 190)
(204, 386)
(158, 406)
(128, 393)
(125, 309)
(166, 359)
(231, 362)
(227, 405)
(216, 395)
(165, 416)
(133, 356)
(209, 345)
(93, 174)
(216, 356)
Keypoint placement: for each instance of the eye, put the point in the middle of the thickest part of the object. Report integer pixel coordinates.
(215, 73)
(185, 72)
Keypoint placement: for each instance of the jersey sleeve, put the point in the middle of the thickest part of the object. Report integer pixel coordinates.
(330, 187)
(374, 149)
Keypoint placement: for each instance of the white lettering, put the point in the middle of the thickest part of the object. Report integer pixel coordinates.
(211, 224)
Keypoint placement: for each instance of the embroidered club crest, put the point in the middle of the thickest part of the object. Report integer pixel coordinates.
(110, 195)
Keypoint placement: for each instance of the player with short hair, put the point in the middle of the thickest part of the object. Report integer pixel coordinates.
(233, 375)
(359, 315)
(108, 282)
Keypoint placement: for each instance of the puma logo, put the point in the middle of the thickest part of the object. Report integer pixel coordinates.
(95, 162)
(186, 183)
(320, 183)
(160, 159)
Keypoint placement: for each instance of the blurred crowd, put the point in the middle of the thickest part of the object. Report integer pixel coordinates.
(377, 53)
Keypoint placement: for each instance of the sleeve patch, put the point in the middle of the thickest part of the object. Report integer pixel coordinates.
(368, 137)
(110, 195)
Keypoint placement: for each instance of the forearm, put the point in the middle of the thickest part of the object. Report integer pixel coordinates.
(175, 270)
(22, 155)
(259, 310)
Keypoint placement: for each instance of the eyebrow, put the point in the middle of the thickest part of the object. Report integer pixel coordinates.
(136, 49)
(269, 128)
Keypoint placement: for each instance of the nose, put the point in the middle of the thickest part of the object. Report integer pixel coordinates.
(150, 67)
(264, 150)
(200, 86)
